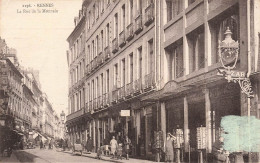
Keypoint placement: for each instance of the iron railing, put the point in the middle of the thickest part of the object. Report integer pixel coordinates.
(114, 45)
(138, 85)
(107, 53)
(138, 24)
(130, 32)
(149, 14)
(122, 39)
(121, 93)
(115, 95)
(129, 89)
(149, 80)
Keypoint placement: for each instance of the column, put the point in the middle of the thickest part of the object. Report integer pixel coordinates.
(138, 125)
(186, 125)
(94, 134)
(208, 121)
(185, 44)
(208, 55)
(98, 133)
(163, 120)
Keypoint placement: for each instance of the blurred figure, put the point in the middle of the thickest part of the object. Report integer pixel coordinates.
(168, 147)
(41, 144)
(113, 145)
(127, 143)
(99, 152)
(119, 151)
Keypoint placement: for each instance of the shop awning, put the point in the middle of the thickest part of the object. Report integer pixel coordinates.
(43, 137)
(35, 135)
(170, 88)
(173, 87)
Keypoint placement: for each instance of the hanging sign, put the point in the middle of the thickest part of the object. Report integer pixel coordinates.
(125, 113)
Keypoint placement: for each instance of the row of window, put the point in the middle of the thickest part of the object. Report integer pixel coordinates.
(196, 47)
(100, 85)
(77, 73)
(78, 48)
(175, 7)
(102, 40)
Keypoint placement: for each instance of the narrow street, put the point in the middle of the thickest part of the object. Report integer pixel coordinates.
(51, 156)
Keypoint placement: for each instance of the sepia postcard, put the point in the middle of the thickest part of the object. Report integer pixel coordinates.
(130, 81)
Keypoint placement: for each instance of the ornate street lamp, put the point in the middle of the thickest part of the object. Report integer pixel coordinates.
(228, 51)
(62, 115)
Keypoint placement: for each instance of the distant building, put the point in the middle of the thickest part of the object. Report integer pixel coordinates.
(25, 111)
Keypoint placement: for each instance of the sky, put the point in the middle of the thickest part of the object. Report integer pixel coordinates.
(40, 41)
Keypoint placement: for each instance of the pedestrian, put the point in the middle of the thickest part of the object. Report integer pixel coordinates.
(218, 152)
(119, 151)
(113, 145)
(89, 144)
(99, 152)
(41, 144)
(168, 147)
(127, 144)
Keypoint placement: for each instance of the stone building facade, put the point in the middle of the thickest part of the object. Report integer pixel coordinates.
(139, 67)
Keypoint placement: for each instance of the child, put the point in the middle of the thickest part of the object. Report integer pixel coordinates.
(99, 153)
(119, 151)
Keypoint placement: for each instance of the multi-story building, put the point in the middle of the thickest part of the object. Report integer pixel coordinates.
(29, 112)
(152, 66)
(48, 118)
(115, 41)
(11, 89)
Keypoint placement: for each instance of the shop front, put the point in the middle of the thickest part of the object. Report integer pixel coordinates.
(197, 116)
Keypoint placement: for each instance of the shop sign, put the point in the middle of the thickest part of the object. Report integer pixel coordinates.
(125, 113)
(231, 73)
(228, 51)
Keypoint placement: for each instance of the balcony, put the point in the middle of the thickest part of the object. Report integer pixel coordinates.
(129, 32)
(75, 114)
(149, 81)
(106, 100)
(99, 102)
(99, 59)
(88, 69)
(95, 62)
(115, 96)
(129, 90)
(121, 93)
(92, 65)
(90, 106)
(138, 24)
(107, 53)
(138, 86)
(122, 39)
(102, 57)
(86, 108)
(149, 14)
(95, 102)
(115, 45)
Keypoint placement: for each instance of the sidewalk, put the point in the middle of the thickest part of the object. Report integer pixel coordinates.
(108, 158)
(12, 158)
